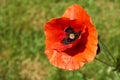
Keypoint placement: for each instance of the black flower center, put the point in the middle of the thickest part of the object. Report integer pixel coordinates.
(71, 35)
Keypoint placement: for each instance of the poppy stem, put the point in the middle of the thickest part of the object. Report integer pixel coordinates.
(104, 62)
(107, 50)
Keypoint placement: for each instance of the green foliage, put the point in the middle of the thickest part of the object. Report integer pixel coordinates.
(22, 39)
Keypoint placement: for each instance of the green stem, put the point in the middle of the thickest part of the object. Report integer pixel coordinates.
(104, 62)
(108, 51)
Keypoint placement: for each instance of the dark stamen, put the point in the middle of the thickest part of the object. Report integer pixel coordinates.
(71, 35)
(69, 30)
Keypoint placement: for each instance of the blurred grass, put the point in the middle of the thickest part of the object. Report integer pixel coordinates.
(22, 39)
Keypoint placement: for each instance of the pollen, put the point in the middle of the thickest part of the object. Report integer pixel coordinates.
(72, 36)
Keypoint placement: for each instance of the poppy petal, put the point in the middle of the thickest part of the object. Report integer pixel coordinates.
(64, 61)
(54, 31)
(91, 45)
(82, 49)
(76, 12)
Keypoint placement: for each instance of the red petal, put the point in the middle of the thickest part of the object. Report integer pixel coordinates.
(90, 49)
(77, 56)
(54, 31)
(71, 56)
(76, 12)
(64, 61)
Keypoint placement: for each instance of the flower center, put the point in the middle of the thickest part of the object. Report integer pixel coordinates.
(71, 35)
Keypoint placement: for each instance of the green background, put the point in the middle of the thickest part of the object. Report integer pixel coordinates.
(22, 39)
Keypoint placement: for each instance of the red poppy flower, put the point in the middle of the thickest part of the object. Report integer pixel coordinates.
(71, 40)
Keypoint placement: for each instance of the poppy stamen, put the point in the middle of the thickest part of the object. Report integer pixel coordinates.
(69, 30)
(71, 35)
